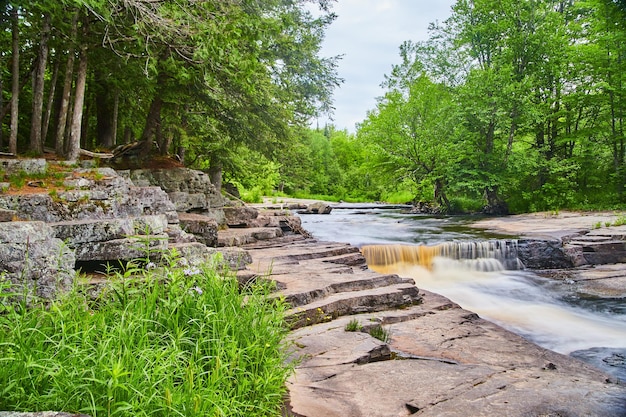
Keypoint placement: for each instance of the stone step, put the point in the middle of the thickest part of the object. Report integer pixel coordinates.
(197, 253)
(80, 232)
(355, 302)
(587, 239)
(245, 236)
(307, 249)
(303, 289)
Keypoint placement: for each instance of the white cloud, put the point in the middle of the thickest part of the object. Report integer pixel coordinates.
(369, 33)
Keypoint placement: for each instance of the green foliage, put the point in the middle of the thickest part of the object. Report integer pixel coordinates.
(353, 326)
(178, 340)
(380, 333)
(508, 104)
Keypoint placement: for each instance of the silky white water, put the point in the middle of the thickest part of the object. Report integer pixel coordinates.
(518, 302)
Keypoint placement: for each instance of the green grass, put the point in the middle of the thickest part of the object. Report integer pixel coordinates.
(353, 326)
(380, 333)
(172, 341)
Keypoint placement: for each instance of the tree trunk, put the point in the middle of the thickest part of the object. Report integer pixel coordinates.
(15, 88)
(77, 114)
(116, 108)
(104, 110)
(215, 174)
(495, 205)
(36, 142)
(1, 105)
(128, 135)
(84, 126)
(64, 107)
(152, 121)
(440, 195)
(53, 84)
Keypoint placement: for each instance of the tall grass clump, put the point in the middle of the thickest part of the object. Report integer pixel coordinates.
(174, 341)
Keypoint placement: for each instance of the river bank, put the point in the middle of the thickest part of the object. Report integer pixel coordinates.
(439, 359)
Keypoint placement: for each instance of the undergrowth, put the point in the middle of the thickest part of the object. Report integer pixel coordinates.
(170, 341)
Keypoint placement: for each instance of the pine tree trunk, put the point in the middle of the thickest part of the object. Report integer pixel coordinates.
(104, 110)
(152, 122)
(48, 114)
(65, 95)
(15, 88)
(36, 142)
(116, 107)
(77, 114)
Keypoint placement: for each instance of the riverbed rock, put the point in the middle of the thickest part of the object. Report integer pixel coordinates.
(319, 207)
(544, 254)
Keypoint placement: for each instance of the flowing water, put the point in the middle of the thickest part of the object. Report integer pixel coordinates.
(482, 274)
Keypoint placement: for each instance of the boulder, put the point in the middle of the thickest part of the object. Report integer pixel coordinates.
(240, 216)
(543, 254)
(31, 255)
(204, 228)
(317, 208)
(30, 166)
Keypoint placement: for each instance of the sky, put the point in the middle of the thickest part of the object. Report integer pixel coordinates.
(368, 33)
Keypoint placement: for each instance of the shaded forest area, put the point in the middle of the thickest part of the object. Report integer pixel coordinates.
(508, 106)
(194, 78)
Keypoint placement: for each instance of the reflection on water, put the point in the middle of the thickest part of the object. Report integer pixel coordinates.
(547, 312)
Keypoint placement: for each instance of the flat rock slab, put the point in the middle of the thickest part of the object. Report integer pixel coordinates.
(445, 361)
(607, 281)
(245, 236)
(553, 226)
(440, 360)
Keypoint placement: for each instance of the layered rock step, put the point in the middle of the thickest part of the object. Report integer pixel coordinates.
(601, 246)
(434, 359)
(319, 283)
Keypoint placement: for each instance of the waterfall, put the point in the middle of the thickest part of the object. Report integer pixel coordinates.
(489, 255)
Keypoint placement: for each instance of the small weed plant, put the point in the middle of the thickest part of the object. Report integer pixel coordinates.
(380, 333)
(620, 221)
(353, 326)
(165, 341)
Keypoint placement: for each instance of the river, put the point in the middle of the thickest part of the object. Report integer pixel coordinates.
(548, 312)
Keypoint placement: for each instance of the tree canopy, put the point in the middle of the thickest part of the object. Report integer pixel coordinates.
(508, 105)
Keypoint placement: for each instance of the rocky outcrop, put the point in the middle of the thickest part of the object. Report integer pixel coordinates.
(189, 190)
(98, 218)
